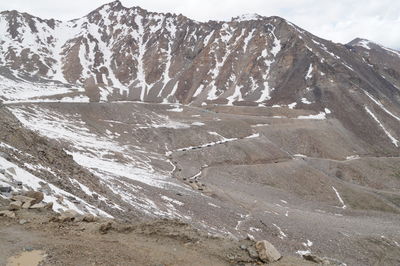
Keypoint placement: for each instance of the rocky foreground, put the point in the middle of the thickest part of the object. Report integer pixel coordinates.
(32, 231)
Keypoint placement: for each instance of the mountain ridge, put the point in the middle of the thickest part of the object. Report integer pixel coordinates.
(117, 53)
(251, 129)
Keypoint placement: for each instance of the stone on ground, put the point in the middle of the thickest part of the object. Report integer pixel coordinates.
(8, 214)
(267, 252)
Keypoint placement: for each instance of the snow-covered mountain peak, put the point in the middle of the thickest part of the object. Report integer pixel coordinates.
(247, 17)
(131, 54)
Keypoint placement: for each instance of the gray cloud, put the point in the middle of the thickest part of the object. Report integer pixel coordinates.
(340, 20)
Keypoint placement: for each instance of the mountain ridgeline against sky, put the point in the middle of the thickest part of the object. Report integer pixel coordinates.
(117, 54)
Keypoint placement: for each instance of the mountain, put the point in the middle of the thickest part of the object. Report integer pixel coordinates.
(385, 61)
(248, 127)
(119, 53)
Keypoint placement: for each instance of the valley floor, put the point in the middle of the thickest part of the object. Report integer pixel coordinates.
(303, 182)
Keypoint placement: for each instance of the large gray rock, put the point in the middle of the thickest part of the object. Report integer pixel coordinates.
(4, 155)
(12, 170)
(252, 252)
(267, 252)
(5, 189)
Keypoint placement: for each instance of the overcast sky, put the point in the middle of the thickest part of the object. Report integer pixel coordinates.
(337, 20)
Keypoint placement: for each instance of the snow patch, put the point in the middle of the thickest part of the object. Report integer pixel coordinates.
(339, 198)
(393, 139)
(309, 72)
(320, 116)
(305, 101)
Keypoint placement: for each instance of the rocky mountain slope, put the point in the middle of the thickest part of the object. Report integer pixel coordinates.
(246, 127)
(119, 53)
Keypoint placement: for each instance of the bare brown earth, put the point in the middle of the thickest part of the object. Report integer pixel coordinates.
(160, 242)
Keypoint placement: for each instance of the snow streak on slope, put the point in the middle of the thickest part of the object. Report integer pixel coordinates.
(265, 92)
(364, 43)
(52, 194)
(130, 177)
(381, 106)
(393, 139)
(320, 116)
(88, 149)
(237, 95)
(19, 90)
(309, 72)
(140, 57)
(339, 198)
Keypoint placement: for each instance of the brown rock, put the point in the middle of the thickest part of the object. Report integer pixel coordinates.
(26, 205)
(38, 196)
(67, 216)
(70, 213)
(316, 259)
(89, 218)
(15, 205)
(22, 198)
(105, 227)
(8, 214)
(267, 252)
(194, 186)
(49, 206)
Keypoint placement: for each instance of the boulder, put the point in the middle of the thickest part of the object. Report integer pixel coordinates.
(15, 205)
(194, 186)
(316, 259)
(8, 214)
(12, 170)
(38, 196)
(252, 252)
(22, 198)
(5, 189)
(49, 206)
(105, 227)
(26, 205)
(69, 215)
(66, 216)
(267, 252)
(5, 156)
(86, 218)
(89, 218)
(26, 201)
(41, 205)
